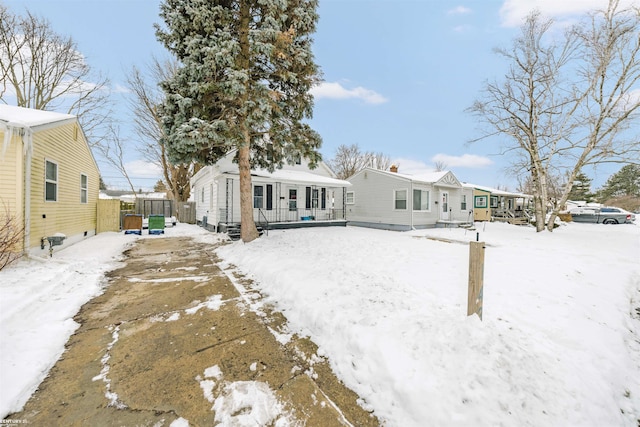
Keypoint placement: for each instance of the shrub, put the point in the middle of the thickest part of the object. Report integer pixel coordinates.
(11, 234)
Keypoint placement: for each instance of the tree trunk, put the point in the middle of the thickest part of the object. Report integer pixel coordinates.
(248, 230)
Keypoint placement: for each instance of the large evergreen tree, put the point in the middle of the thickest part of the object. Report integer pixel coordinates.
(581, 188)
(625, 182)
(246, 68)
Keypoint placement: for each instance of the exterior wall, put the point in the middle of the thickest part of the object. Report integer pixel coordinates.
(428, 218)
(280, 211)
(66, 146)
(467, 211)
(11, 178)
(12, 184)
(373, 202)
(481, 205)
(205, 205)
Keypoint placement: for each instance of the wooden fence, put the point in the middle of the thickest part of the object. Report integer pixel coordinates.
(110, 212)
(186, 212)
(108, 215)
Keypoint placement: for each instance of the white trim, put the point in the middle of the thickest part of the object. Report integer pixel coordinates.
(84, 190)
(406, 200)
(353, 198)
(47, 180)
(422, 190)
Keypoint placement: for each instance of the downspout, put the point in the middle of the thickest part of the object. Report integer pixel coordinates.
(27, 140)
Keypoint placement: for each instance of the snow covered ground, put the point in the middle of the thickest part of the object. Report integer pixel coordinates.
(559, 343)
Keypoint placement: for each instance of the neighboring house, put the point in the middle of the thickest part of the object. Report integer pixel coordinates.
(394, 201)
(49, 179)
(492, 204)
(293, 194)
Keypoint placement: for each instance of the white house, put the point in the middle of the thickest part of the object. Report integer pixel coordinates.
(293, 194)
(394, 201)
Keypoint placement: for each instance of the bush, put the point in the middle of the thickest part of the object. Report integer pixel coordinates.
(11, 234)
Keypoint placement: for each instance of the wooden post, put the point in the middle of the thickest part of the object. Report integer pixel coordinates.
(476, 273)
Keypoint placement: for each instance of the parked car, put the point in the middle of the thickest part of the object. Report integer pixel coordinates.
(602, 215)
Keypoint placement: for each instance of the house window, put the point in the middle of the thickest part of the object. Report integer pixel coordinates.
(420, 200)
(307, 198)
(480, 201)
(323, 198)
(84, 188)
(298, 159)
(494, 201)
(269, 197)
(400, 199)
(293, 199)
(463, 203)
(51, 182)
(258, 196)
(351, 198)
(314, 198)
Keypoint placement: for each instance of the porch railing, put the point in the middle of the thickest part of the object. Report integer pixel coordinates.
(264, 216)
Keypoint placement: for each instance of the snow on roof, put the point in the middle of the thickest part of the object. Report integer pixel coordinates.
(427, 178)
(29, 117)
(286, 175)
(496, 191)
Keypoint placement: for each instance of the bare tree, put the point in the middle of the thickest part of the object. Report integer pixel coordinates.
(147, 96)
(112, 149)
(11, 237)
(567, 103)
(440, 166)
(377, 160)
(349, 160)
(43, 70)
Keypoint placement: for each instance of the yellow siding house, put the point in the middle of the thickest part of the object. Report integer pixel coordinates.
(49, 179)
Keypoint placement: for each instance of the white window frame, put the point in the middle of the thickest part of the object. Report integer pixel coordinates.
(51, 181)
(428, 205)
(463, 202)
(396, 200)
(84, 189)
(351, 194)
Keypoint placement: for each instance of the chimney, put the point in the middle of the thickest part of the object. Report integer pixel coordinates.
(393, 168)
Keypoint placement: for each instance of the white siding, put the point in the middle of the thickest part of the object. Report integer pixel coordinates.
(200, 183)
(374, 199)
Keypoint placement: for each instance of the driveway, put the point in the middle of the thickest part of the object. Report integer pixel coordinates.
(172, 342)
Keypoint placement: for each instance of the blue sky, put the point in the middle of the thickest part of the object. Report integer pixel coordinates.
(398, 74)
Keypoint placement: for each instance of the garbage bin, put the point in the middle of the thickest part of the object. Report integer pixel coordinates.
(156, 224)
(132, 224)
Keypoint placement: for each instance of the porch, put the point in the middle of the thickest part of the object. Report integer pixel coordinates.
(512, 216)
(278, 219)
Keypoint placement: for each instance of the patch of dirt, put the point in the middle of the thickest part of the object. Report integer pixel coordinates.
(169, 338)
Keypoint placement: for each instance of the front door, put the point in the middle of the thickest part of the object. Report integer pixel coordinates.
(444, 206)
(293, 204)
